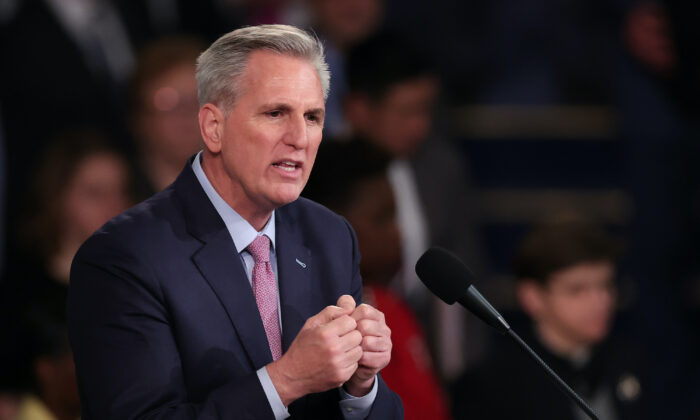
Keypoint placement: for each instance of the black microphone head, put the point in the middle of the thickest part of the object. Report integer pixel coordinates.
(444, 274)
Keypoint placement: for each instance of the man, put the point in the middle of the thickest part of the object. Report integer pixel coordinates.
(342, 24)
(565, 284)
(163, 94)
(391, 104)
(163, 320)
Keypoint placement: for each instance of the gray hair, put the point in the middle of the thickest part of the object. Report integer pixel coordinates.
(220, 67)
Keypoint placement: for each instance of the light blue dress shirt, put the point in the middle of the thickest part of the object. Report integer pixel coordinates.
(242, 233)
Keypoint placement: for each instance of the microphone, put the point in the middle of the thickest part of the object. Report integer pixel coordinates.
(451, 280)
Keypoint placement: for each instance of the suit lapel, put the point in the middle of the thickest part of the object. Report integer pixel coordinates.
(222, 268)
(294, 267)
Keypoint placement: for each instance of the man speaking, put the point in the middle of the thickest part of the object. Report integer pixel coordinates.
(226, 296)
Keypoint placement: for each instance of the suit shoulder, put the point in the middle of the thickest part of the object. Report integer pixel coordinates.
(134, 230)
(304, 210)
(318, 225)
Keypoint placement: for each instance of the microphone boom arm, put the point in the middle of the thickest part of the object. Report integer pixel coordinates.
(566, 389)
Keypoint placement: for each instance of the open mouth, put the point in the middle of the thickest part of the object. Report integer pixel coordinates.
(287, 165)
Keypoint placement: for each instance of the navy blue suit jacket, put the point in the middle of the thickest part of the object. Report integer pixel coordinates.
(163, 321)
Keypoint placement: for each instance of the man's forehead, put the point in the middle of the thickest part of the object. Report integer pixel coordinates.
(264, 64)
(281, 77)
(588, 272)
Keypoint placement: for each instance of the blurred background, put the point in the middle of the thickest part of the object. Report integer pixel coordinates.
(473, 125)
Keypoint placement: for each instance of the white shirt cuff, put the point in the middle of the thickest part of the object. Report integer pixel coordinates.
(273, 397)
(355, 408)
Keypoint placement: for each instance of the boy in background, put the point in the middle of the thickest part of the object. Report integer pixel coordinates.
(565, 284)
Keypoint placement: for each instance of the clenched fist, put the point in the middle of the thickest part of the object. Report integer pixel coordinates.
(376, 349)
(324, 355)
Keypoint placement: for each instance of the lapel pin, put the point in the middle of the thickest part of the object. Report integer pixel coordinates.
(628, 387)
(300, 263)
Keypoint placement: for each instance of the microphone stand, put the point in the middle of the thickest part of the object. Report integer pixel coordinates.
(566, 389)
(445, 275)
(479, 306)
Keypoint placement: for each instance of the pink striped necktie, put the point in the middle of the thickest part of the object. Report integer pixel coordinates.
(265, 291)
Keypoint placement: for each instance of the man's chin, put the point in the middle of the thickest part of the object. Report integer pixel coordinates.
(285, 197)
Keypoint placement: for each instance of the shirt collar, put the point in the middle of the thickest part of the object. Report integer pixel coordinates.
(242, 232)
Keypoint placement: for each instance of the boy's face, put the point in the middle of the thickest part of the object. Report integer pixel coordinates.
(577, 303)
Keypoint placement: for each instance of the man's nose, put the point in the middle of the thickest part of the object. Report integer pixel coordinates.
(296, 133)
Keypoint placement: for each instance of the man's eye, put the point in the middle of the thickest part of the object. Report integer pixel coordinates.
(313, 118)
(274, 114)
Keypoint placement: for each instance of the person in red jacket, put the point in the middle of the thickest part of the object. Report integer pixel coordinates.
(360, 191)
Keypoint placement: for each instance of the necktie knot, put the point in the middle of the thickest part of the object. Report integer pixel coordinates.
(260, 249)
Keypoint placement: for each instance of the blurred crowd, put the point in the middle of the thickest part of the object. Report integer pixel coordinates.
(510, 133)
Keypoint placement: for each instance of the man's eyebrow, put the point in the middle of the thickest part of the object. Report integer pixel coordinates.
(281, 106)
(317, 111)
(276, 105)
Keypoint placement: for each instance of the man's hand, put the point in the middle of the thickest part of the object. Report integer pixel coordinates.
(376, 349)
(324, 355)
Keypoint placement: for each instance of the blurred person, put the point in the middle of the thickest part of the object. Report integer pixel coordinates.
(70, 59)
(163, 110)
(566, 285)
(345, 23)
(360, 191)
(9, 405)
(646, 33)
(658, 103)
(660, 37)
(54, 390)
(89, 47)
(391, 104)
(81, 183)
(342, 24)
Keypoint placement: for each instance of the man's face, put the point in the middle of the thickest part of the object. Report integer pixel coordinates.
(401, 120)
(578, 302)
(166, 125)
(272, 133)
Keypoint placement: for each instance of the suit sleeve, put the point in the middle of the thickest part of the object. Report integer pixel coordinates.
(126, 357)
(387, 404)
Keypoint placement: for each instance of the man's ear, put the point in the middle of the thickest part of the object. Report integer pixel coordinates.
(530, 296)
(211, 126)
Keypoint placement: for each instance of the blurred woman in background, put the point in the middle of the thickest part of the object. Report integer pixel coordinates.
(80, 184)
